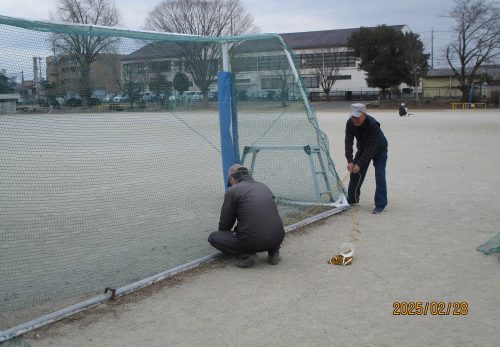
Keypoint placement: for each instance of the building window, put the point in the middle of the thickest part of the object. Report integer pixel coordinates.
(311, 82)
(178, 65)
(313, 60)
(160, 66)
(265, 63)
(209, 65)
(270, 83)
(242, 80)
(273, 62)
(134, 67)
(342, 77)
(340, 59)
(336, 59)
(245, 64)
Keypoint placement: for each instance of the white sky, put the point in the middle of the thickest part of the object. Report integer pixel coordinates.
(292, 15)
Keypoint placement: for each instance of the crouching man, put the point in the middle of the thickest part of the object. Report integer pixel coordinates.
(259, 227)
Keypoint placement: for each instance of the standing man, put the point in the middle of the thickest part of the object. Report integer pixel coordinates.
(371, 145)
(259, 227)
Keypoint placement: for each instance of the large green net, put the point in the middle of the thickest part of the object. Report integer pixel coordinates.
(110, 153)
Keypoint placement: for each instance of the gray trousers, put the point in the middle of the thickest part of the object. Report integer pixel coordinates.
(228, 242)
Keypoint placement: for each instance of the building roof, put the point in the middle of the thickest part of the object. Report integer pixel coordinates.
(492, 70)
(12, 96)
(162, 49)
(28, 83)
(323, 38)
(295, 41)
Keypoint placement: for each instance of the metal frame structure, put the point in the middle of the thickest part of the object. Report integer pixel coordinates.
(111, 293)
(310, 151)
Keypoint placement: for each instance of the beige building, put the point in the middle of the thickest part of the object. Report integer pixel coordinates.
(63, 71)
(8, 103)
(443, 84)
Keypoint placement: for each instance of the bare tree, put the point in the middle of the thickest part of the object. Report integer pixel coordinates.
(326, 68)
(416, 60)
(477, 26)
(130, 79)
(206, 18)
(284, 76)
(85, 49)
(327, 75)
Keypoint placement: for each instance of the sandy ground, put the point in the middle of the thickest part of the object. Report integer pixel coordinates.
(444, 200)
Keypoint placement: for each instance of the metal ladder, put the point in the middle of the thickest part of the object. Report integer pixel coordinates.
(310, 151)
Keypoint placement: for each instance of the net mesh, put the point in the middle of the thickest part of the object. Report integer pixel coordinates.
(110, 159)
(491, 246)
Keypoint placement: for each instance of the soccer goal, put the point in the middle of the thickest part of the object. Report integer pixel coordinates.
(114, 150)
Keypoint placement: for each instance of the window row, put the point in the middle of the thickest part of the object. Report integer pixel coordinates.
(169, 65)
(155, 66)
(303, 61)
(319, 60)
(312, 81)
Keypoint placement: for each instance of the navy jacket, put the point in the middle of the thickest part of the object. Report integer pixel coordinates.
(369, 141)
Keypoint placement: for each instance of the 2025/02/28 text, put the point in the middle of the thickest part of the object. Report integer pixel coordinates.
(434, 308)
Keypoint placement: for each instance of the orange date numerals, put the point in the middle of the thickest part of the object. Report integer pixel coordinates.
(434, 308)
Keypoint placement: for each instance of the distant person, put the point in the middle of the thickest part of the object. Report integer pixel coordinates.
(403, 110)
(259, 227)
(371, 145)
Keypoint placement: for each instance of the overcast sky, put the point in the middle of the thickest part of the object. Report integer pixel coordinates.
(282, 16)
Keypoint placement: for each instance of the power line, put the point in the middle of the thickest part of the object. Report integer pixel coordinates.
(436, 31)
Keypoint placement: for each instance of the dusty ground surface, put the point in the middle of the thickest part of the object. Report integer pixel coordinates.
(444, 200)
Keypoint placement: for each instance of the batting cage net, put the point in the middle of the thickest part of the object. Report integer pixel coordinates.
(114, 149)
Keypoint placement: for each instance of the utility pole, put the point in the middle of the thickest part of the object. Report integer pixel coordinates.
(35, 76)
(232, 33)
(432, 48)
(40, 69)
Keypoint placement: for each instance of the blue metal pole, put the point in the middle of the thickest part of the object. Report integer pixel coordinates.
(224, 81)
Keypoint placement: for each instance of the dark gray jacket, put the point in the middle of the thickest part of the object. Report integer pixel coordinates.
(252, 204)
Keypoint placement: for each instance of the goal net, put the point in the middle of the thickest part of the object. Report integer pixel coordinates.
(114, 146)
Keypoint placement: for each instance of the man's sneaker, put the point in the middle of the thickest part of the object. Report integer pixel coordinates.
(378, 210)
(273, 258)
(246, 260)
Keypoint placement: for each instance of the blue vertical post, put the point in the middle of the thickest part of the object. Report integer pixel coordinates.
(228, 116)
(227, 123)
(234, 123)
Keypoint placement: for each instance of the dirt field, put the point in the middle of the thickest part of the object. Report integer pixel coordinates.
(444, 200)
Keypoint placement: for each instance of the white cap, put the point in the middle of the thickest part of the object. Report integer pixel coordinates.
(357, 109)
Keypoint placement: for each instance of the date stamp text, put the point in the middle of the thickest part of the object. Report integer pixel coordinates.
(434, 308)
